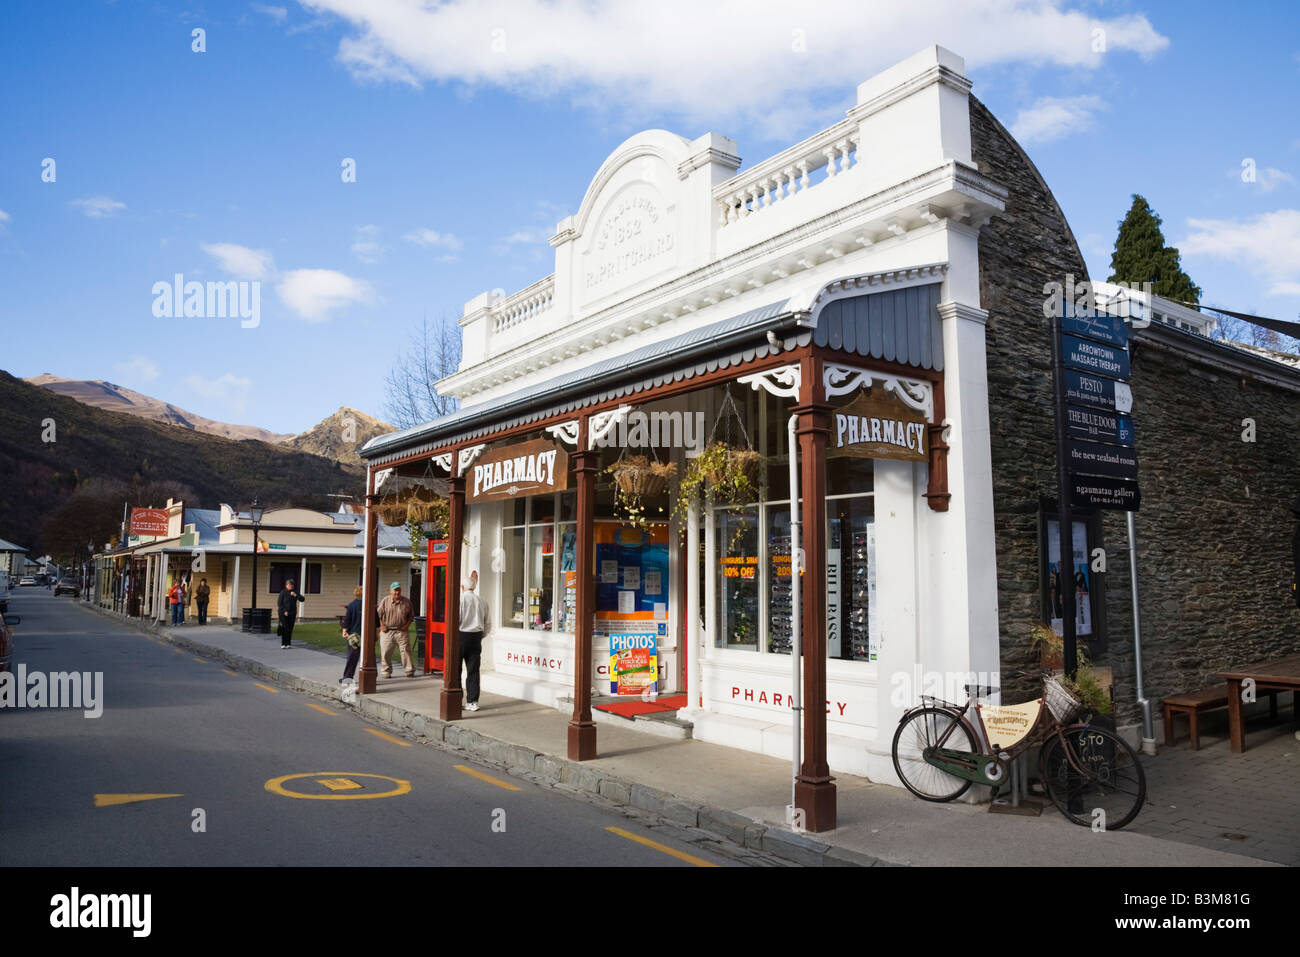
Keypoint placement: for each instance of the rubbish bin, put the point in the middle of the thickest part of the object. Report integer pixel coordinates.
(257, 620)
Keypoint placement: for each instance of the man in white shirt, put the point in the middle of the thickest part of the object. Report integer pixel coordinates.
(474, 624)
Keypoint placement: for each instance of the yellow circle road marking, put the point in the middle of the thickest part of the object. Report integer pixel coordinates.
(276, 786)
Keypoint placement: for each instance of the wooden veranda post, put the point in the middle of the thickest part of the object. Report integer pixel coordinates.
(814, 788)
(582, 729)
(449, 703)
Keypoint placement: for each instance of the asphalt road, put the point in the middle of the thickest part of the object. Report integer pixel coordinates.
(173, 724)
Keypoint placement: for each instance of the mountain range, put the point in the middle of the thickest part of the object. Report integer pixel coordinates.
(64, 440)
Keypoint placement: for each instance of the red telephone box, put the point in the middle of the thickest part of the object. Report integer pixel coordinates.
(435, 606)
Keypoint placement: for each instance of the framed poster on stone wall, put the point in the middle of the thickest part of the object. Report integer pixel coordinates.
(1088, 582)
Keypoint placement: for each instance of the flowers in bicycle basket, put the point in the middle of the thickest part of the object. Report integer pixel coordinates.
(1086, 687)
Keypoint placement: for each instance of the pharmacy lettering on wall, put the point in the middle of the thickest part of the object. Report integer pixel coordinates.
(530, 468)
(877, 425)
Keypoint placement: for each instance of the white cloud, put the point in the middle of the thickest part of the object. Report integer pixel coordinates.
(529, 235)
(1270, 179)
(731, 65)
(137, 369)
(4, 218)
(98, 207)
(278, 14)
(229, 388)
(314, 293)
(240, 260)
(1051, 118)
(1268, 245)
(366, 247)
(430, 238)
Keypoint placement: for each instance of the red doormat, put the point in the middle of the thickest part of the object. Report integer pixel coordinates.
(628, 709)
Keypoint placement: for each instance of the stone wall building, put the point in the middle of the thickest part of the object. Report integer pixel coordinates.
(1215, 525)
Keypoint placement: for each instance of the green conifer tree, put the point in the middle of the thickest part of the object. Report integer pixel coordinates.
(1142, 256)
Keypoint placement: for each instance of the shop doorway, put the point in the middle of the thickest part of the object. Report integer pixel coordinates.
(435, 606)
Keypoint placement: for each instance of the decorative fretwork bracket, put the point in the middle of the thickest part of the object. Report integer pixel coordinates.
(566, 432)
(782, 382)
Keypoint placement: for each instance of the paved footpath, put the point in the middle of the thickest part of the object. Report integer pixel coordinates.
(734, 794)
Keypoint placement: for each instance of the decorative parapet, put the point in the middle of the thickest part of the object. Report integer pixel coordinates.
(789, 173)
(517, 309)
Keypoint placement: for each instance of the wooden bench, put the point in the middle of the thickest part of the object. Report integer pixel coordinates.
(1193, 703)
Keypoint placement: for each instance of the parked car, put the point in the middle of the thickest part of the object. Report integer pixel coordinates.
(67, 585)
(27, 580)
(7, 641)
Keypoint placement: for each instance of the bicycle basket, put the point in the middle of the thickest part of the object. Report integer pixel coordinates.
(1064, 706)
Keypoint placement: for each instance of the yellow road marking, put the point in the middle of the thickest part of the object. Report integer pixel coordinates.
(178, 651)
(486, 777)
(201, 661)
(267, 687)
(697, 861)
(232, 674)
(276, 786)
(320, 709)
(389, 737)
(108, 800)
(339, 784)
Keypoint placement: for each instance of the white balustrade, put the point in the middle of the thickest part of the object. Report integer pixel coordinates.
(788, 174)
(523, 305)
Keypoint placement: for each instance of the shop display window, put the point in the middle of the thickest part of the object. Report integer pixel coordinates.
(738, 578)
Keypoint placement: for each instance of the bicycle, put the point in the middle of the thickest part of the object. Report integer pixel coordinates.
(1084, 769)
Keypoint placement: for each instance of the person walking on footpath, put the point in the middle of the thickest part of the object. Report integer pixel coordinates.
(474, 624)
(288, 608)
(395, 617)
(174, 596)
(352, 635)
(201, 596)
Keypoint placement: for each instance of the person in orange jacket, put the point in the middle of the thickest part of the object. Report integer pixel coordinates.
(174, 596)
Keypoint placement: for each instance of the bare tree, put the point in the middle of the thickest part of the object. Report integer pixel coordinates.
(432, 353)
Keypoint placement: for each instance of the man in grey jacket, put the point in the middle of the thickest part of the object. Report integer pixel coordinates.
(474, 624)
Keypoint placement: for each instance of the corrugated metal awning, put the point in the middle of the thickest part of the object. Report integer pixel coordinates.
(671, 360)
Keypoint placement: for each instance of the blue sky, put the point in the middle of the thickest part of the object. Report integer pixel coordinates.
(474, 127)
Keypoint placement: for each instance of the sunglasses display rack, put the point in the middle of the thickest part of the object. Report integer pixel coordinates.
(779, 607)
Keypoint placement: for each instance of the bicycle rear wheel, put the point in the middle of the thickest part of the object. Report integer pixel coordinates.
(1112, 786)
(920, 730)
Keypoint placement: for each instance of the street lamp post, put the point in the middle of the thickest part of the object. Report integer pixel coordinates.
(256, 513)
(250, 614)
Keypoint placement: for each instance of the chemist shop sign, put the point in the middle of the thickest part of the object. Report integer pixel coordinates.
(876, 425)
(529, 468)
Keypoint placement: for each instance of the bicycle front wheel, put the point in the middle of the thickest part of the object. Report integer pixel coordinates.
(1100, 781)
(923, 729)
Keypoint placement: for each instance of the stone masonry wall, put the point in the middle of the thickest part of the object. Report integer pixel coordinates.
(1215, 526)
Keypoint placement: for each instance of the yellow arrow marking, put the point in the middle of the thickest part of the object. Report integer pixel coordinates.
(108, 800)
(339, 784)
(486, 777)
(267, 687)
(389, 737)
(697, 861)
(320, 709)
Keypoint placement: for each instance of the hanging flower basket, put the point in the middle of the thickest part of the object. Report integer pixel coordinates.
(638, 477)
(731, 472)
